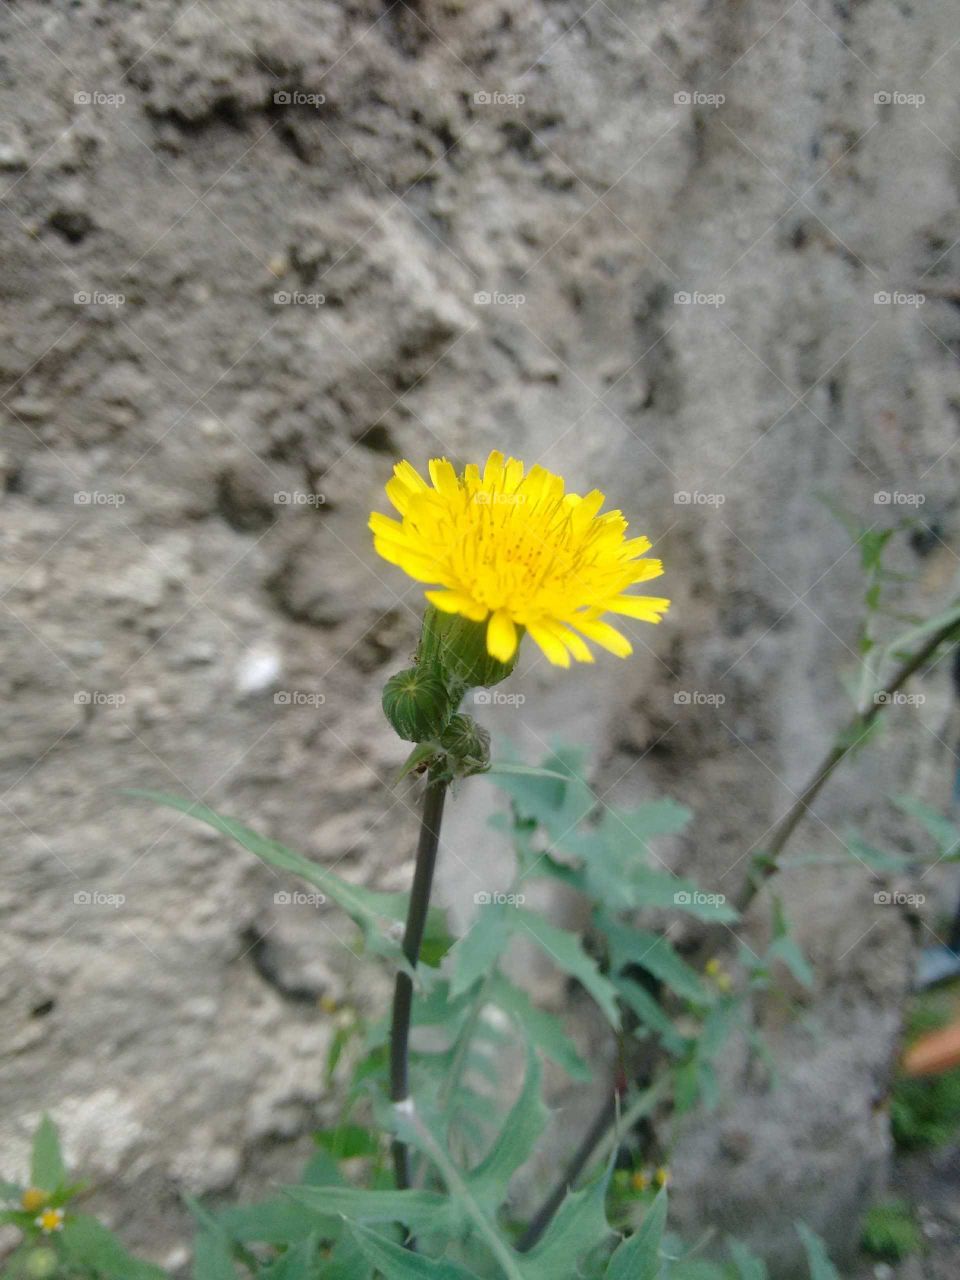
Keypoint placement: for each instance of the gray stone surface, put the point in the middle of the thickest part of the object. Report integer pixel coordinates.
(147, 629)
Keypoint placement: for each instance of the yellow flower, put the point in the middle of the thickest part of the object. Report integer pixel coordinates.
(50, 1220)
(662, 1176)
(514, 550)
(640, 1180)
(34, 1198)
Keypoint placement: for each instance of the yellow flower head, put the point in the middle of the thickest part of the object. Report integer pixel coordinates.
(514, 550)
(34, 1198)
(50, 1220)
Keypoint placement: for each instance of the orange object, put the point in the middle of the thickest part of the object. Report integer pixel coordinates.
(934, 1053)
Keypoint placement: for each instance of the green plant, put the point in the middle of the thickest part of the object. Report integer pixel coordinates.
(890, 1231)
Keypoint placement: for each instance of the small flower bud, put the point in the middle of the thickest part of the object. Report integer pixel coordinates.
(416, 703)
(467, 745)
(458, 647)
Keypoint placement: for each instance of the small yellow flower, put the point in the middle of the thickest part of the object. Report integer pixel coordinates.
(712, 967)
(640, 1180)
(50, 1220)
(328, 1004)
(662, 1176)
(34, 1198)
(514, 550)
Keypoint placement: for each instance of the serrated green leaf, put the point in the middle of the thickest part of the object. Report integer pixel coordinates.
(749, 1267)
(514, 1144)
(299, 1262)
(47, 1170)
(397, 1263)
(579, 1226)
(348, 1140)
(566, 951)
(417, 1210)
(275, 1221)
(543, 1030)
(376, 913)
(88, 1244)
(787, 950)
(639, 1257)
(654, 953)
(821, 1268)
(875, 859)
(476, 954)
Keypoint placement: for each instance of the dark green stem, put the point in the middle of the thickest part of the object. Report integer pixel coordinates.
(851, 736)
(412, 939)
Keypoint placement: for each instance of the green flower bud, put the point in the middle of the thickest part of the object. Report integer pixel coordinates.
(417, 704)
(459, 647)
(467, 745)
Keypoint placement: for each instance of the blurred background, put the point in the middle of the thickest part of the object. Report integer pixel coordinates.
(703, 256)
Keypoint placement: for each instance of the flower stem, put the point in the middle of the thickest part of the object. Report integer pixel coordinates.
(412, 939)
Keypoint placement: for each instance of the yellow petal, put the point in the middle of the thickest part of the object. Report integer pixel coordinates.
(553, 647)
(646, 608)
(604, 635)
(444, 477)
(501, 636)
(644, 570)
(457, 602)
